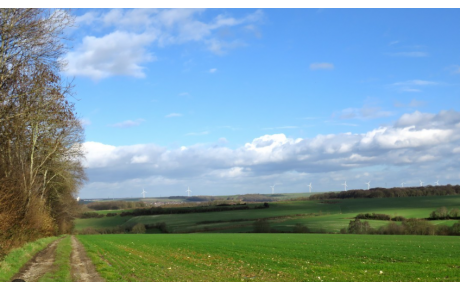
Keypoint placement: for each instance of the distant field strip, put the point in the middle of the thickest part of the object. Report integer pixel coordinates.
(330, 217)
(274, 257)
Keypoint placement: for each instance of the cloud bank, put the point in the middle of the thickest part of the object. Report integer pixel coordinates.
(417, 146)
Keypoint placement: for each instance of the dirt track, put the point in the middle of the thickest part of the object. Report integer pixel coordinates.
(82, 269)
(40, 264)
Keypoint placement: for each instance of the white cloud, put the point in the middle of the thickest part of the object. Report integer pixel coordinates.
(213, 70)
(128, 123)
(220, 47)
(427, 143)
(140, 159)
(118, 53)
(87, 18)
(416, 83)
(136, 31)
(173, 115)
(413, 85)
(321, 66)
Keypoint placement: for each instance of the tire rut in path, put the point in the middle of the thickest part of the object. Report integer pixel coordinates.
(39, 265)
(83, 269)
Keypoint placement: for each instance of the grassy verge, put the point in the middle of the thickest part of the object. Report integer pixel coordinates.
(61, 267)
(18, 257)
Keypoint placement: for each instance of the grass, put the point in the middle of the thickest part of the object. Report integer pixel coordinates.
(61, 267)
(274, 257)
(100, 223)
(13, 262)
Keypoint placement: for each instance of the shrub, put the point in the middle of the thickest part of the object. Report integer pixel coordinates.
(88, 230)
(399, 218)
(416, 226)
(262, 226)
(455, 229)
(111, 214)
(442, 212)
(138, 228)
(375, 216)
(356, 226)
(91, 215)
(300, 228)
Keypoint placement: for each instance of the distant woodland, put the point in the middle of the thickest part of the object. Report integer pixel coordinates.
(390, 192)
(40, 134)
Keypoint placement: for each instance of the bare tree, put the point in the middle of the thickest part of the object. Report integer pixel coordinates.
(40, 135)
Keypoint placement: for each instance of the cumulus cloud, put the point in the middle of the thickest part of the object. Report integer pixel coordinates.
(118, 53)
(321, 66)
(427, 143)
(134, 32)
(128, 123)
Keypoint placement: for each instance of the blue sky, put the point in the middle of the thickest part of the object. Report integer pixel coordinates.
(230, 101)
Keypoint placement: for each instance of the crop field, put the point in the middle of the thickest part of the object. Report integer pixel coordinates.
(100, 223)
(283, 215)
(274, 257)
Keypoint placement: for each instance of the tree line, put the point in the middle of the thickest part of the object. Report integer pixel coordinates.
(184, 210)
(390, 192)
(40, 135)
(115, 205)
(411, 226)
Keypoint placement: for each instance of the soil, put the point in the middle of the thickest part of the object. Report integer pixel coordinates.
(40, 264)
(82, 269)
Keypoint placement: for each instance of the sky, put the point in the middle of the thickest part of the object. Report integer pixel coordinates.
(233, 101)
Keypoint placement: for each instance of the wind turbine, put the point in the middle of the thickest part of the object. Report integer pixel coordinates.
(273, 189)
(345, 185)
(402, 184)
(143, 193)
(188, 191)
(421, 183)
(309, 186)
(368, 185)
(437, 183)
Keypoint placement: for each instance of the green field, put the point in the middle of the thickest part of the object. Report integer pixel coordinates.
(274, 257)
(317, 216)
